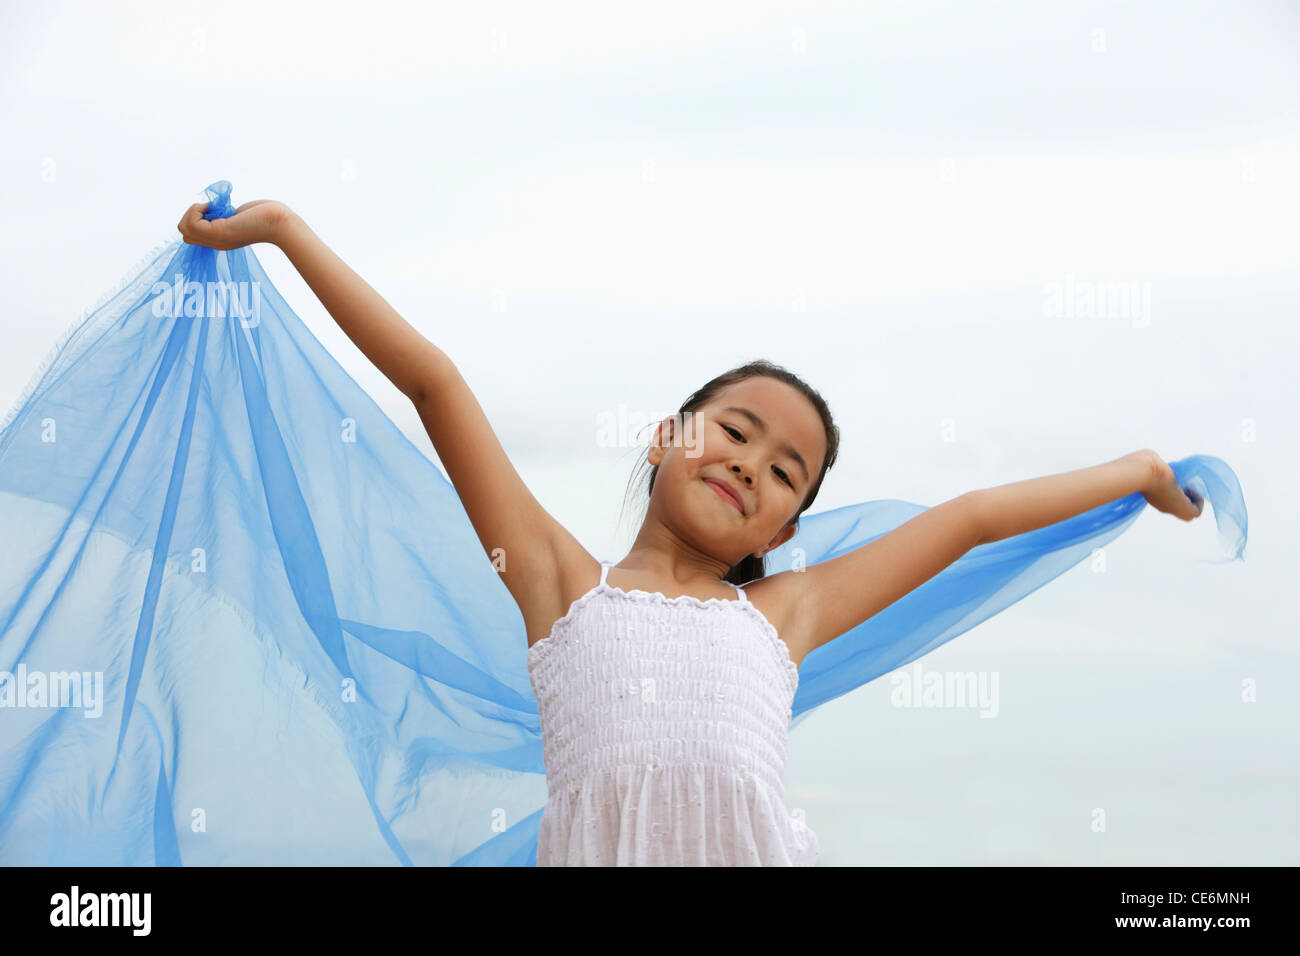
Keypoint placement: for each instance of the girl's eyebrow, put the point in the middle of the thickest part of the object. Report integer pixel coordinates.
(761, 425)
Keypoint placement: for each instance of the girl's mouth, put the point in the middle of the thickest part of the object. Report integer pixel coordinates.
(725, 492)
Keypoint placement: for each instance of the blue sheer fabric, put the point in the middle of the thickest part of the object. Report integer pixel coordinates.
(246, 621)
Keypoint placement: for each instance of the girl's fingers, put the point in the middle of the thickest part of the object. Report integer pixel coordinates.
(196, 230)
(1172, 499)
(192, 222)
(1193, 504)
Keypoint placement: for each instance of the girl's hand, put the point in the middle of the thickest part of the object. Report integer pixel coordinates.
(261, 220)
(1163, 492)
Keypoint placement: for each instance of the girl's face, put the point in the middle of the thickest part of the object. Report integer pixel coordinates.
(732, 477)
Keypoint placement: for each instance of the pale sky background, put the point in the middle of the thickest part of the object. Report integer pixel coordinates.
(595, 208)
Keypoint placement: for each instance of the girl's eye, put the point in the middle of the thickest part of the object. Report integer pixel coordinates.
(780, 474)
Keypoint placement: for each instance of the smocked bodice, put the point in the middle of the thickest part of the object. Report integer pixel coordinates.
(664, 729)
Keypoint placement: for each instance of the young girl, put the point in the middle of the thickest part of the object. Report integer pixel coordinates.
(664, 686)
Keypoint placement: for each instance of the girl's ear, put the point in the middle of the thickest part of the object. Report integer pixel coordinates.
(663, 437)
(784, 535)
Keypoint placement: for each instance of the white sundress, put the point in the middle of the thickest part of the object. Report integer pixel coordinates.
(665, 724)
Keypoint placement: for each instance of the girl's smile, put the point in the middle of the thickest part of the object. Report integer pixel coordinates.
(726, 493)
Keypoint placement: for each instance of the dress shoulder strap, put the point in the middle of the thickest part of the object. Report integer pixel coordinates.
(604, 570)
(741, 592)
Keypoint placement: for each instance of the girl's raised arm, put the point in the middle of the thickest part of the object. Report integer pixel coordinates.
(526, 544)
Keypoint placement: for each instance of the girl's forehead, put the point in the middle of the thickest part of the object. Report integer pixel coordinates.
(781, 406)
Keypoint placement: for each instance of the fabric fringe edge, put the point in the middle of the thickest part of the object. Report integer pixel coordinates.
(51, 356)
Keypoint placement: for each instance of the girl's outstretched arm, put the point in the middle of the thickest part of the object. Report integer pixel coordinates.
(835, 596)
(534, 553)
(1027, 505)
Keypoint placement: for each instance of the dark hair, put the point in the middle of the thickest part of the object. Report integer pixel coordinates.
(750, 567)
